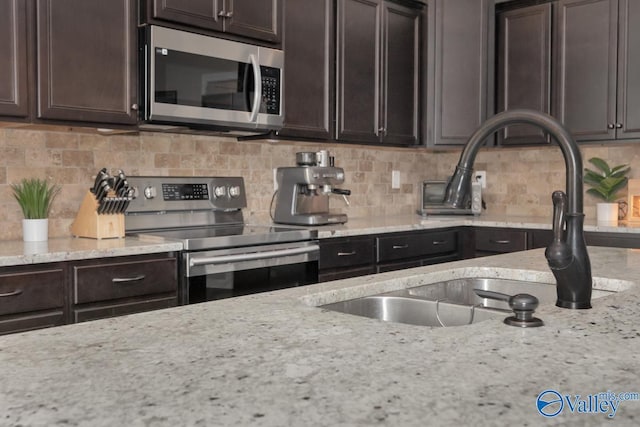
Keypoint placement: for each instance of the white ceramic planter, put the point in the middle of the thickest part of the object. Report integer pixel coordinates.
(35, 230)
(607, 213)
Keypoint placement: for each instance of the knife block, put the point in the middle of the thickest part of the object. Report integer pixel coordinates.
(89, 224)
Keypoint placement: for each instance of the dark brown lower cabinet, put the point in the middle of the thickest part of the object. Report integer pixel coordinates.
(114, 287)
(31, 297)
(42, 295)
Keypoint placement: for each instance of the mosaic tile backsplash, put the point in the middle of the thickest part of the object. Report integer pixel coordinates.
(520, 180)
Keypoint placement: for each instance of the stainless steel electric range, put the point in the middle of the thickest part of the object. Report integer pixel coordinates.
(223, 256)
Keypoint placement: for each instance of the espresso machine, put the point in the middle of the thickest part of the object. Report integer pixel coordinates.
(304, 190)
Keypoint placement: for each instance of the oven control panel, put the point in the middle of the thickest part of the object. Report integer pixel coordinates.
(165, 194)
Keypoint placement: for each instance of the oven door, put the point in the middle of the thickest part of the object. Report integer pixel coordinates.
(225, 273)
(196, 79)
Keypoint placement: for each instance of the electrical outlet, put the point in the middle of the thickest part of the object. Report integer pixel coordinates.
(395, 180)
(481, 176)
(275, 179)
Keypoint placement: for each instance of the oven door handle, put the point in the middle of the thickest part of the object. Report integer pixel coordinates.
(224, 259)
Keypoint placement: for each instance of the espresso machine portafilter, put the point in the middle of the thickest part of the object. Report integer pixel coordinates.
(304, 190)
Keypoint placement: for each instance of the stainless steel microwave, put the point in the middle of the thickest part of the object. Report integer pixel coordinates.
(202, 81)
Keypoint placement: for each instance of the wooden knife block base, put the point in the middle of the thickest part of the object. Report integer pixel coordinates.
(89, 224)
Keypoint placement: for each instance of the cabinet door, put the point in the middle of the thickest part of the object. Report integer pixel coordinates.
(586, 67)
(208, 14)
(628, 124)
(259, 19)
(462, 69)
(87, 60)
(358, 73)
(13, 66)
(400, 72)
(309, 69)
(524, 69)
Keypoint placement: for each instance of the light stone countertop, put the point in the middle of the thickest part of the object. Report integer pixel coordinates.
(274, 359)
(397, 223)
(17, 252)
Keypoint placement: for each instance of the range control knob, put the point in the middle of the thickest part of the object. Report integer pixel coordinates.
(219, 191)
(234, 191)
(150, 192)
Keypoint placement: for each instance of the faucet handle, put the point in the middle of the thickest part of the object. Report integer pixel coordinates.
(559, 253)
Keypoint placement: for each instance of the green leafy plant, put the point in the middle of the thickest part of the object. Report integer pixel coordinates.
(35, 197)
(607, 181)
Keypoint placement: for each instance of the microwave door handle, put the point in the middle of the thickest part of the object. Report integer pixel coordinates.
(257, 88)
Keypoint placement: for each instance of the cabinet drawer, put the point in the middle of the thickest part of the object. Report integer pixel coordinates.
(500, 241)
(412, 245)
(120, 309)
(31, 321)
(345, 252)
(28, 290)
(92, 283)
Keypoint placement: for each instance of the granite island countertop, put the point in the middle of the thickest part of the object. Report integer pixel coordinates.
(275, 359)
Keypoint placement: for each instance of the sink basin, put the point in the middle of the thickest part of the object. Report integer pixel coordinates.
(448, 303)
(413, 311)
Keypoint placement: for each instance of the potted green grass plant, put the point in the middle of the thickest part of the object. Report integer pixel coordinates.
(35, 197)
(606, 183)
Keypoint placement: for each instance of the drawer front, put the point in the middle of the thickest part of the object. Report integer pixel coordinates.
(26, 291)
(500, 241)
(412, 245)
(105, 311)
(347, 252)
(104, 282)
(31, 321)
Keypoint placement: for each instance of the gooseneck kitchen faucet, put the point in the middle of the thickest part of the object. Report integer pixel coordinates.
(567, 255)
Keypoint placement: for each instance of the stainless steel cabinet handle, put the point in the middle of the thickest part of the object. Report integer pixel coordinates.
(128, 279)
(400, 246)
(134, 107)
(439, 242)
(618, 125)
(610, 126)
(11, 294)
(228, 15)
(222, 13)
(500, 242)
(346, 253)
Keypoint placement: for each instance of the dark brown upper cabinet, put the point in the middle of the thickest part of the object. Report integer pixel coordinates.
(87, 61)
(524, 69)
(463, 70)
(257, 19)
(377, 72)
(598, 68)
(68, 61)
(14, 65)
(309, 36)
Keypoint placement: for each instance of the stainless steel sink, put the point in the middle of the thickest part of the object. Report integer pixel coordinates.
(448, 303)
(413, 311)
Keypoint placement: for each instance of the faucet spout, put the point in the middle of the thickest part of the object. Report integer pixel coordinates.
(567, 255)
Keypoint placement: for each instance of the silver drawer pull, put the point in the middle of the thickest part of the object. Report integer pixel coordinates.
(439, 242)
(500, 242)
(400, 246)
(11, 294)
(346, 253)
(128, 279)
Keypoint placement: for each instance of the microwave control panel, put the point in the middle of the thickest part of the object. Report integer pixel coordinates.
(270, 90)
